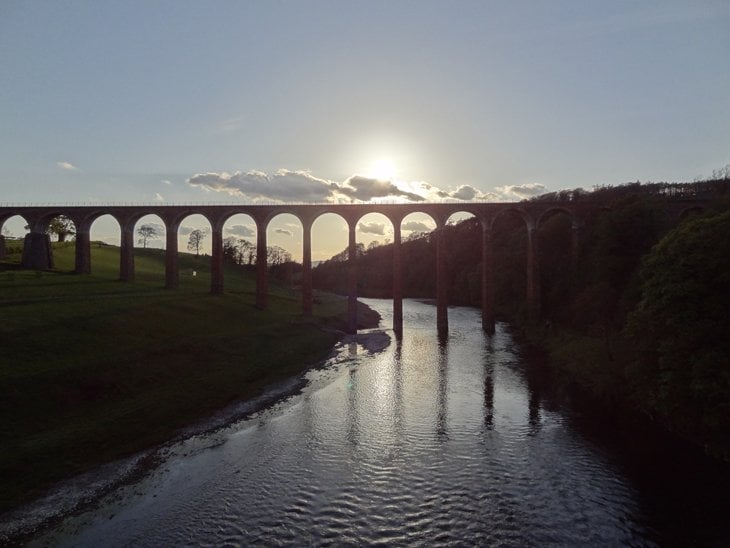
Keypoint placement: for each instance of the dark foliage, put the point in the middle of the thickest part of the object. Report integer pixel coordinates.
(681, 329)
(673, 361)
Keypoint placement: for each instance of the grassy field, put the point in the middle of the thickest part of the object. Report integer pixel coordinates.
(93, 369)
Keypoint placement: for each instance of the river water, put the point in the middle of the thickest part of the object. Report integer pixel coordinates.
(426, 442)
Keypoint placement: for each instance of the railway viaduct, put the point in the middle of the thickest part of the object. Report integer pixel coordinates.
(37, 253)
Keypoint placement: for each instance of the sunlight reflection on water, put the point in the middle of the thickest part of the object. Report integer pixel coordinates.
(419, 444)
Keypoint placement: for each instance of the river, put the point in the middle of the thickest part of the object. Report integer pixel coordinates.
(426, 442)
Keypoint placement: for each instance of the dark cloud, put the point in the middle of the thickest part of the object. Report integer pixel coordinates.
(302, 186)
(283, 231)
(186, 230)
(366, 188)
(241, 230)
(157, 226)
(372, 228)
(416, 226)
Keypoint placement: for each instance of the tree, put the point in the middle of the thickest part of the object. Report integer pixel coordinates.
(195, 240)
(230, 250)
(62, 227)
(276, 255)
(246, 251)
(681, 330)
(147, 232)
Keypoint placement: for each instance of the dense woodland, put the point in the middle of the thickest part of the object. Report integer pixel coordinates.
(642, 319)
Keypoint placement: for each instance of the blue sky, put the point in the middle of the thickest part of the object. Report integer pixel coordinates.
(134, 101)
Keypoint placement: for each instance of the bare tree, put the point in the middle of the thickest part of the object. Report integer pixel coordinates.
(276, 255)
(147, 232)
(722, 173)
(195, 240)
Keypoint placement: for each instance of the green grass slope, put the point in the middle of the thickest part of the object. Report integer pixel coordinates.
(93, 369)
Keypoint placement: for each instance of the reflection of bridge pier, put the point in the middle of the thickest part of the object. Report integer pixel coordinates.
(397, 280)
(37, 249)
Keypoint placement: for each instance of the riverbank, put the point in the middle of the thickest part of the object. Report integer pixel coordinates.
(94, 370)
(598, 370)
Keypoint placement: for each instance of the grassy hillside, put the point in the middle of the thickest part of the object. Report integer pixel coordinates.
(93, 369)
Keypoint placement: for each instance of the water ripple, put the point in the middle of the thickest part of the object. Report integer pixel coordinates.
(418, 445)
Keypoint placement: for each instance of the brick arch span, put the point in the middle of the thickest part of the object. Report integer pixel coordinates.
(127, 216)
(3, 219)
(688, 211)
(37, 252)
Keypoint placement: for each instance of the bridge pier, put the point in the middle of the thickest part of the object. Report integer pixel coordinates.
(3, 251)
(83, 251)
(487, 279)
(575, 243)
(397, 281)
(126, 253)
(442, 288)
(307, 296)
(262, 280)
(216, 260)
(533, 275)
(352, 278)
(37, 253)
(172, 271)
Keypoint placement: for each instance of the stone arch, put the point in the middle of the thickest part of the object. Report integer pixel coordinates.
(371, 230)
(239, 233)
(690, 211)
(554, 210)
(108, 245)
(13, 222)
(285, 229)
(329, 236)
(463, 237)
(431, 225)
(557, 244)
(423, 244)
(128, 224)
(275, 211)
(515, 211)
(187, 224)
(183, 261)
(42, 222)
(12, 233)
(285, 241)
(375, 269)
(329, 222)
(145, 248)
(155, 240)
(515, 273)
(37, 249)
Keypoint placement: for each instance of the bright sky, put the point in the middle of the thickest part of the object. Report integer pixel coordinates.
(343, 100)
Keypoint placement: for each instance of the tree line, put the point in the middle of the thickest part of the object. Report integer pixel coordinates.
(641, 317)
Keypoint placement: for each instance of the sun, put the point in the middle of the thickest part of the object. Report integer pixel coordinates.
(382, 169)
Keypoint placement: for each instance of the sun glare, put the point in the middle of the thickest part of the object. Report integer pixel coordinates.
(382, 169)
